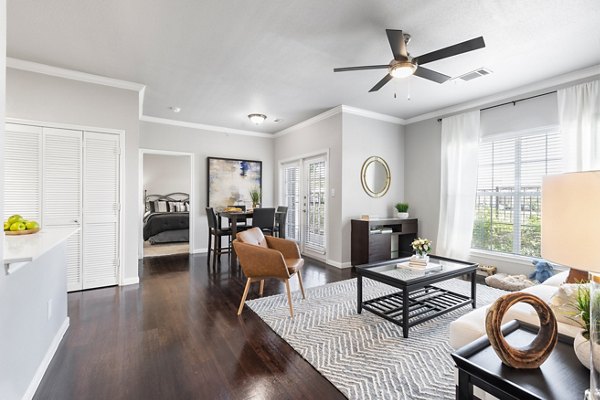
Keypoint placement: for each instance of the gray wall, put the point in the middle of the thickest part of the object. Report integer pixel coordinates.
(45, 98)
(164, 174)
(318, 137)
(205, 144)
(422, 179)
(362, 138)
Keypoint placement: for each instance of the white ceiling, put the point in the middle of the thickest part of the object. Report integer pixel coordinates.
(223, 59)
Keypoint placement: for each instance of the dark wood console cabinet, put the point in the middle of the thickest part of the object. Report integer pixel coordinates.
(371, 240)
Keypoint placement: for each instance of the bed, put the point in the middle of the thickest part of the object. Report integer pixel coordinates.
(166, 219)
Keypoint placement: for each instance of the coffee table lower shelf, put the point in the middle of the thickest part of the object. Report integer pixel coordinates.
(424, 304)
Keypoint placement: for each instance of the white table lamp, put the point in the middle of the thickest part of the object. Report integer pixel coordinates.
(571, 237)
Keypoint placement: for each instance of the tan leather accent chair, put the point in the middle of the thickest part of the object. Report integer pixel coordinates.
(263, 257)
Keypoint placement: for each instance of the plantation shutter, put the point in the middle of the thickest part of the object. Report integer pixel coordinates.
(100, 209)
(62, 193)
(291, 198)
(22, 171)
(315, 197)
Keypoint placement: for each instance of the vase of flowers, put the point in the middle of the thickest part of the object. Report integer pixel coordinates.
(421, 247)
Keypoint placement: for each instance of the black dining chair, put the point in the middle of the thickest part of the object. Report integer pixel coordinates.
(264, 218)
(280, 221)
(218, 233)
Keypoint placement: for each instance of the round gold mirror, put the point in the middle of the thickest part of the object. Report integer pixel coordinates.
(375, 176)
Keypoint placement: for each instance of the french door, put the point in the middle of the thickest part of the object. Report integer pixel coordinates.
(304, 191)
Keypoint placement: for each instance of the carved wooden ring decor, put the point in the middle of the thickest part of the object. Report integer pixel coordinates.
(535, 353)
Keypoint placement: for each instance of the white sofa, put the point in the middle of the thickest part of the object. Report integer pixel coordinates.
(471, 326)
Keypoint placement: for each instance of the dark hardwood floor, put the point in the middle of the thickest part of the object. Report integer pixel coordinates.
(177, 336)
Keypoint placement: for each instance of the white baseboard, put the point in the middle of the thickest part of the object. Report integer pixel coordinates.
(41, 370)
(338, 264)
(203, 250)
(130, 281)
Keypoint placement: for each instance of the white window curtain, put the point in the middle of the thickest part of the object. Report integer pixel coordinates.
(579, 116)
(460, 145)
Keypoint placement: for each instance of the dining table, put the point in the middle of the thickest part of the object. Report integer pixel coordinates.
(237, 216)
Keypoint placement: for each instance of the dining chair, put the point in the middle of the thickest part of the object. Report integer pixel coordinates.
(262, 257)
(280, 219)
(218, 233)
(264, 218)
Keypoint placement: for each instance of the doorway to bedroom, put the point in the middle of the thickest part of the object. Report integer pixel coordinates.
(166, 183)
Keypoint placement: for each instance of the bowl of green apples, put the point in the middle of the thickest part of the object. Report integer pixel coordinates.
(17, 225)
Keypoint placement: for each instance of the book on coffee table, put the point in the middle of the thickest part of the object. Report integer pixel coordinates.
(419, 267)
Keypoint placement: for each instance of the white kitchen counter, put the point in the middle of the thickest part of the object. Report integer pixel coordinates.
(27, 248)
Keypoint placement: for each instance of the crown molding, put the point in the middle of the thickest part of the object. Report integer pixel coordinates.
(204, 127)
(310, 121)
(31, 66)
(373, 115)
(545, 84)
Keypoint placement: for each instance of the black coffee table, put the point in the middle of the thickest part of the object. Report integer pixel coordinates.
(424, 300)
(560, 377)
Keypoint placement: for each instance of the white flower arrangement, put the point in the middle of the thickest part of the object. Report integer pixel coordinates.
(421, 246)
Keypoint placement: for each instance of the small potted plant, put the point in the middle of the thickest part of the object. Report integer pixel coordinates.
(402, 210)
(255, 196)
(581, 315)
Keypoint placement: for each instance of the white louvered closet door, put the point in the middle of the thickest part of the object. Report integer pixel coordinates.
(100, 209)
(22, 171)
(61, 193)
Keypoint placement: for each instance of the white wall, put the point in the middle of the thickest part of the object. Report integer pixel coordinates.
(46, 98)
(164, 174)
(362, 138)
(321, 136)
(205, 144)
(30, 334)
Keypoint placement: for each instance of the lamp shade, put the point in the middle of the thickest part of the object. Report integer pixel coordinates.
(571, 220)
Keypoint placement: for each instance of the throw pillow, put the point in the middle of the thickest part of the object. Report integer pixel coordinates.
(161, 206)
(577, 276)
(563, 303)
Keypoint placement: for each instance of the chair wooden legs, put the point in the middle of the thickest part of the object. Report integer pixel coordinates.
(248, 282)
(289, 294)
(301, 285)
(262, 287)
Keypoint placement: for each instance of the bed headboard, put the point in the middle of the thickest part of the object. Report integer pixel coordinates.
(172, 202)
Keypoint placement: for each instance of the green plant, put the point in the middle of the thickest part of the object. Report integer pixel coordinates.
(582, 304)
(255, 195)
(402, 207)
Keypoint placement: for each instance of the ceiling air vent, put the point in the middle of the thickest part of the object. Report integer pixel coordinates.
(469, 76)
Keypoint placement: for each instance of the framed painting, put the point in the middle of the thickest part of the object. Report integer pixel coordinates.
(230, 181)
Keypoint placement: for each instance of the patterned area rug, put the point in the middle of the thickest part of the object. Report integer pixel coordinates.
(365, 356)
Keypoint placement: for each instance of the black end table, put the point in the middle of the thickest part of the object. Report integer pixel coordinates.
(423, 301)
(561, 377)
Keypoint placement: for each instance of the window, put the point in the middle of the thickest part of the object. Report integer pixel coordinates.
(509, 185)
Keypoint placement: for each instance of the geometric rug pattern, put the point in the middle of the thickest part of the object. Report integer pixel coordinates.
(363, 355)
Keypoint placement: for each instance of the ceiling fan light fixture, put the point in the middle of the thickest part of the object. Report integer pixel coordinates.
(257, 118)
(403, 69)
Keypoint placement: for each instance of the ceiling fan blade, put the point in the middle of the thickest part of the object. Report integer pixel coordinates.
(382, 82)
(397, 43)
(360, 68)
(451, 51)
(431, 75)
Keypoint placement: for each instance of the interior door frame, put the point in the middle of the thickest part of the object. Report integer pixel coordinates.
(192, 213)
(300, 159)
(121, 133)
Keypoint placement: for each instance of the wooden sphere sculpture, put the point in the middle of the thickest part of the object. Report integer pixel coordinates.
(534, 354)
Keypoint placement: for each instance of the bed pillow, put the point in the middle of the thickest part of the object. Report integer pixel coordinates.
(160, 206)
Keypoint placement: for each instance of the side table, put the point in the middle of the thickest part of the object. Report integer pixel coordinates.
(561, 377)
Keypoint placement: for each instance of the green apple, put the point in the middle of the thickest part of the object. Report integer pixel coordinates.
(31, 225)
(17, 226)
(6, 226)
(15, 218)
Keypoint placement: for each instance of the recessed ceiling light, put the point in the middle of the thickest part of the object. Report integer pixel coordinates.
(175, 109)
(257, 118)
(277, 120)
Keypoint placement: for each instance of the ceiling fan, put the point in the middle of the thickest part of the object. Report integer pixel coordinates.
(404, 65)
